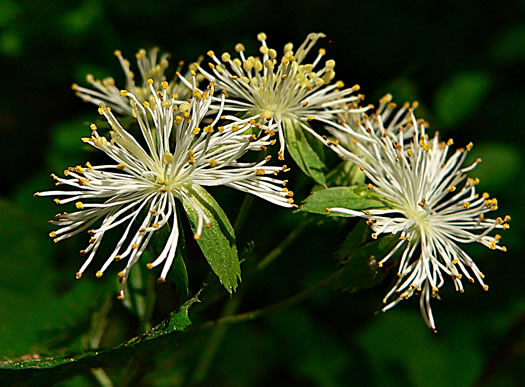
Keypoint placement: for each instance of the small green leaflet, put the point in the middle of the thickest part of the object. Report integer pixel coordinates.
(302, 151)
(357, 197)
(218, 241)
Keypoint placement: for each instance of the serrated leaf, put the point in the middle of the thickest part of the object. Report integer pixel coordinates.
(301, 148)
(51, 369)
(459, 98)
(355, 198)
(360, 270)
(218, 241)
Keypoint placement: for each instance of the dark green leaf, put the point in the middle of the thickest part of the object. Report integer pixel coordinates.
(354, 198)
(361, 271)
(355, 239)
(49, 370)
(301, 149)
(461, 97)
(345, 174)
(501, 164)
(217, 241)
(509, 46)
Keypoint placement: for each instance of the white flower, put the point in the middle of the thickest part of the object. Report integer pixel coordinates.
(178, 151)
(150, 66)
(433, 208)
(278, 89)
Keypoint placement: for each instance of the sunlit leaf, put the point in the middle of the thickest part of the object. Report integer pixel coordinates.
(356, 198)
(217, 241)
(302, 149)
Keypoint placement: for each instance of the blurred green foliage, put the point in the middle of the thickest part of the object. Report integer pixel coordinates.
(462, 61)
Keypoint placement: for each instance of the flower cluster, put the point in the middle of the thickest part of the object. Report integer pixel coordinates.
(188, 138)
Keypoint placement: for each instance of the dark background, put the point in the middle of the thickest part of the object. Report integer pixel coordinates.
(462, 61)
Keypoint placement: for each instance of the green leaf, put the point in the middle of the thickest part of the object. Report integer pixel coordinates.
(51, 369)
(217, 241)
(360, 270)
(355, 198)
(501, 164)
(301, 149)
(509, 46)
(461, 97)
(355, 239)
(345, 174)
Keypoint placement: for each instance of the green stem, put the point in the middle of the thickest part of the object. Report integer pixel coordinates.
(210, 350)
(290, 238)
(99, 323)
(243, 212)
(101, 376)
(295, 299)
(206, 358)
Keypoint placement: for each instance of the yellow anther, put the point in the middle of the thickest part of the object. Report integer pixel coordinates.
(184, 107)
(121, 166)
(322, 51)
(99, 274)
(149, 81)
(79, 205)
(261, 36)
(208, 129)
(164, 84)
(469, 146)
(239, 47)
(330, 64)
(451, 188)
(260, 172)
(225, 57)
(213, 163)
(196, 236)
(210, 53)
(167, 158)
(196, 130)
